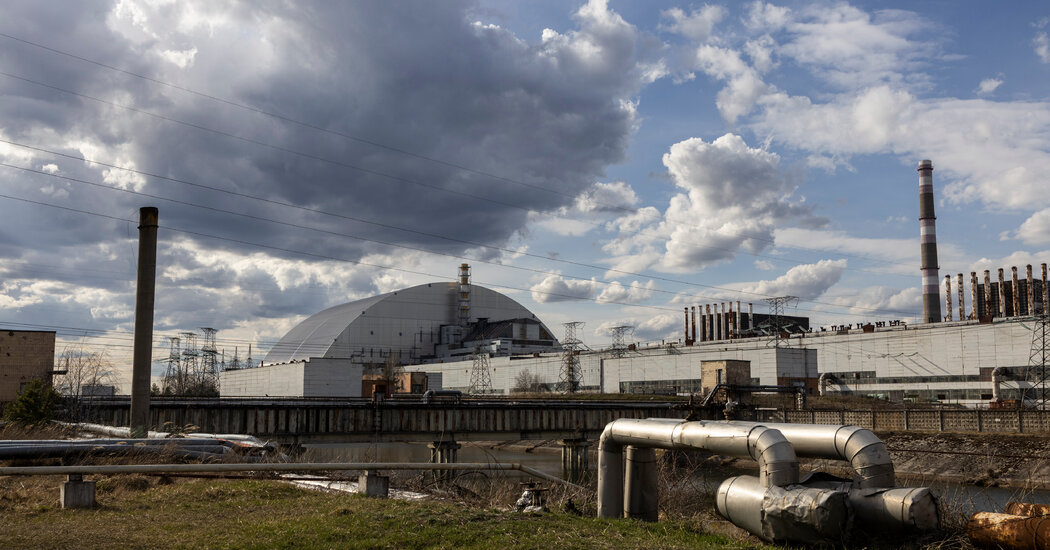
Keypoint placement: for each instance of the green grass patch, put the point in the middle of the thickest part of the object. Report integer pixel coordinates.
(267, 514)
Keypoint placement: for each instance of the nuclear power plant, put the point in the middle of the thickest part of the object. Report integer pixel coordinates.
(470, 338)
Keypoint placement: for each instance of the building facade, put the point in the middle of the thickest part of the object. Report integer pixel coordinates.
(25, 355)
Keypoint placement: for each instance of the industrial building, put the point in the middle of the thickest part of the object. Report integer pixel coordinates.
(429, 323)
(474, 339)
(25, 355)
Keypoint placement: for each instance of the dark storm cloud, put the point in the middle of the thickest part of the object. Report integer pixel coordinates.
(544, 115)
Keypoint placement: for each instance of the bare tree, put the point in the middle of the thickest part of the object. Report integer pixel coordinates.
(393, 372)
(528, 382)
(85, 371)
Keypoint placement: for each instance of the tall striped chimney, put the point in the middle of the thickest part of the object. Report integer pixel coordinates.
(931, 303)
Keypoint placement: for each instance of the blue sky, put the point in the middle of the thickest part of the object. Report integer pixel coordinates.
(601, 162)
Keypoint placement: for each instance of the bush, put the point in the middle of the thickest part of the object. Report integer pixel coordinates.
(35, 405)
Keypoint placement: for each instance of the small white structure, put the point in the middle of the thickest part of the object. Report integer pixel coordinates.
(314, 377)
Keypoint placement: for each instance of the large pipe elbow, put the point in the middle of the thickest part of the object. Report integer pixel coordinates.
(867, 454)
(822, 383)
(778, 464)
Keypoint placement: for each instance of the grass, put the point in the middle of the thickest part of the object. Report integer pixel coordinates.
(140, 512)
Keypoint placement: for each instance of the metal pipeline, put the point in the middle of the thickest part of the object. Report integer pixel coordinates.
(797, 514)
(1008, 532)
(997, 382)
(777, 462)
(822, 383)
(872, 495)
(866, 453)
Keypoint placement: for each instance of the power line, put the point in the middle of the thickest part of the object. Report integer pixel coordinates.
(416, 182)
(386, 243)
(373, 143)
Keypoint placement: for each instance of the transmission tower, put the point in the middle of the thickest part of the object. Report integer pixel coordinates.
(480, 378)
(619, 334)
(173, 377)
(235, 363)
(776, 313)
(1037, 357)
(209, 358)
(570, 371)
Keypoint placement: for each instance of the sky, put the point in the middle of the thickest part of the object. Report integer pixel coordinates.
(603, 162)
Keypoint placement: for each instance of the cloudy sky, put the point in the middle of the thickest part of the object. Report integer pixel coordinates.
(604, 162)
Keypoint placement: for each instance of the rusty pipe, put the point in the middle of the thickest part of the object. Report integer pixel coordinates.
(1008, 532)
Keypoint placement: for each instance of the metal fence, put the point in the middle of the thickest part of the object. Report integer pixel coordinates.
(920, 420)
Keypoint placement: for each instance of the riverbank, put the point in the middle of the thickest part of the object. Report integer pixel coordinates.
(139, 512)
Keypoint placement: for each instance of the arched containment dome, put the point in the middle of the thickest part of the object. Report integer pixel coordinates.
(408, 322)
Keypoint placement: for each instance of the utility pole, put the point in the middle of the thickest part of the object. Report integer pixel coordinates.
(145, 292)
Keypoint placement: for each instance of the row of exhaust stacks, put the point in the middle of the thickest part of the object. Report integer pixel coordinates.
(776, 506)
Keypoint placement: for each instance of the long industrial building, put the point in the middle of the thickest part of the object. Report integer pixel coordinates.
(478, 340)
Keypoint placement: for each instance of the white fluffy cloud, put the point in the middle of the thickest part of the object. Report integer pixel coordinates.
(697, 24)
(989, 85)
(633, 293)
(555, 288)
(1036, 229)
(731, 197)
(805, 281)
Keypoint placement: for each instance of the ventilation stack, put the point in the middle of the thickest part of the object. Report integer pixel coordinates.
(464, 295)
(931, 303)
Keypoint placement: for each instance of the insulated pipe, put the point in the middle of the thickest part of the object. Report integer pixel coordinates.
(778, 465)
(822, 383)
(997, 381)
(110, 469)
(866, 453)
(931, 308)
(887, 509)
(641, 492)
(799, 514)
(959, 287)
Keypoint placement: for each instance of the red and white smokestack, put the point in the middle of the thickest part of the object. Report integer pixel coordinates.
(931, 303)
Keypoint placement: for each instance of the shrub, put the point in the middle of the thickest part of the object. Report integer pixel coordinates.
(35, 405)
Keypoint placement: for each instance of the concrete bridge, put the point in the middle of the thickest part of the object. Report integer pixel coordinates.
(441, 423)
